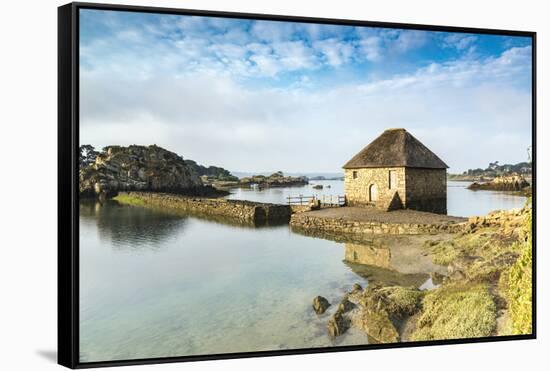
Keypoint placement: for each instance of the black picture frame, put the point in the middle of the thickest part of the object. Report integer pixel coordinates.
(68, 144)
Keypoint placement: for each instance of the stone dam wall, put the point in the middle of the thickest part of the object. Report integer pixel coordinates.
(256, 213)
(342, 226)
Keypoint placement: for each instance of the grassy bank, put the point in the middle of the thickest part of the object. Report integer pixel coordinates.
(490, 278)
(517, 283)
(487, 290)
(129, 200)
(456, 311)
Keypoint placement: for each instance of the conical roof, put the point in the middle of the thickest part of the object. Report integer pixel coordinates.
(396, 148)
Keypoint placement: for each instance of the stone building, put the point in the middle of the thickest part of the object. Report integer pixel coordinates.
(396, 171)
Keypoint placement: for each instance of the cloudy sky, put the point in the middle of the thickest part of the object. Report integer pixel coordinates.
(264, 96)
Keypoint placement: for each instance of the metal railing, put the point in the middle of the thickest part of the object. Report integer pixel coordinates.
(324, 200)
(332, 200)
(300, 200)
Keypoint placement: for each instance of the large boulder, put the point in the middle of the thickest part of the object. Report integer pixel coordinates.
(338, 324)
(136, 168)
(377, 311)
(320, 304)
(377, 324)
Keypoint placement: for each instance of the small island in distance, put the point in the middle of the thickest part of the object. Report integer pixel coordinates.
(514, 178)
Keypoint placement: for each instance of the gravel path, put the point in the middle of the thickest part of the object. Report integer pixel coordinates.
(361, 214)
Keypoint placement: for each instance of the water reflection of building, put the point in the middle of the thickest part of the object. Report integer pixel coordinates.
(375, 254)
(373, 260)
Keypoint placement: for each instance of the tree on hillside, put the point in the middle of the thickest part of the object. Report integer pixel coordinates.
(87, 155)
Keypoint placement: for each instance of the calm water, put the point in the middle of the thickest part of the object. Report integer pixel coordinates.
(154, 284)
(460, 200)
(157, 284)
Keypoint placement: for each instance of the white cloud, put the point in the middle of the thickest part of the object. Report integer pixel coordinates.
(272, 30)
(371, 47)
(294, 55)
(452, 107)
(187, 45)
(334, 51)
(407, 40)
(377, 45)
(459, 41)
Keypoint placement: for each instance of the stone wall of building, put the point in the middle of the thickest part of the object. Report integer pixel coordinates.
(244, 211)
(416, 189)
(357, 187)
(426, 190)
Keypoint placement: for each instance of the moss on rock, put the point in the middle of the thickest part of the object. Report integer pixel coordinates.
(396, 300)
(456, 311)
(377, 324)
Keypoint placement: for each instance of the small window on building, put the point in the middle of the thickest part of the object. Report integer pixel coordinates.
(392, 179)
(355, 175)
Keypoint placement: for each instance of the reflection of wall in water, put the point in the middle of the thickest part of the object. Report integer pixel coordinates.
(131, 227)
(372, 253)
(373, 260)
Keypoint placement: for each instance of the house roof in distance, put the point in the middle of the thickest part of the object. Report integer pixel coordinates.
(395, 148)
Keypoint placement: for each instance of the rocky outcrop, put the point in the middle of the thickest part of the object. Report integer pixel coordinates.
(340, 321)
(377, 324)
(338, 324)
(274, 180)
(261, 181)
(377, 311)
(512, 183)
(320, 304)
(140, 168)
(509, 222)
(211, 173)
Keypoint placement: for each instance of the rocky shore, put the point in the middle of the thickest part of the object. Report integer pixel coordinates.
(486, 290)
(277, 179)
(513, 183)
(138, 168)
(494, 170)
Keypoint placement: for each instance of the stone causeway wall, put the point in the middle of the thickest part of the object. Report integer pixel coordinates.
(343, 226)
(245, 211)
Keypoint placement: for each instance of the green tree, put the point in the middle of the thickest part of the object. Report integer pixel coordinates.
(87, 155)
